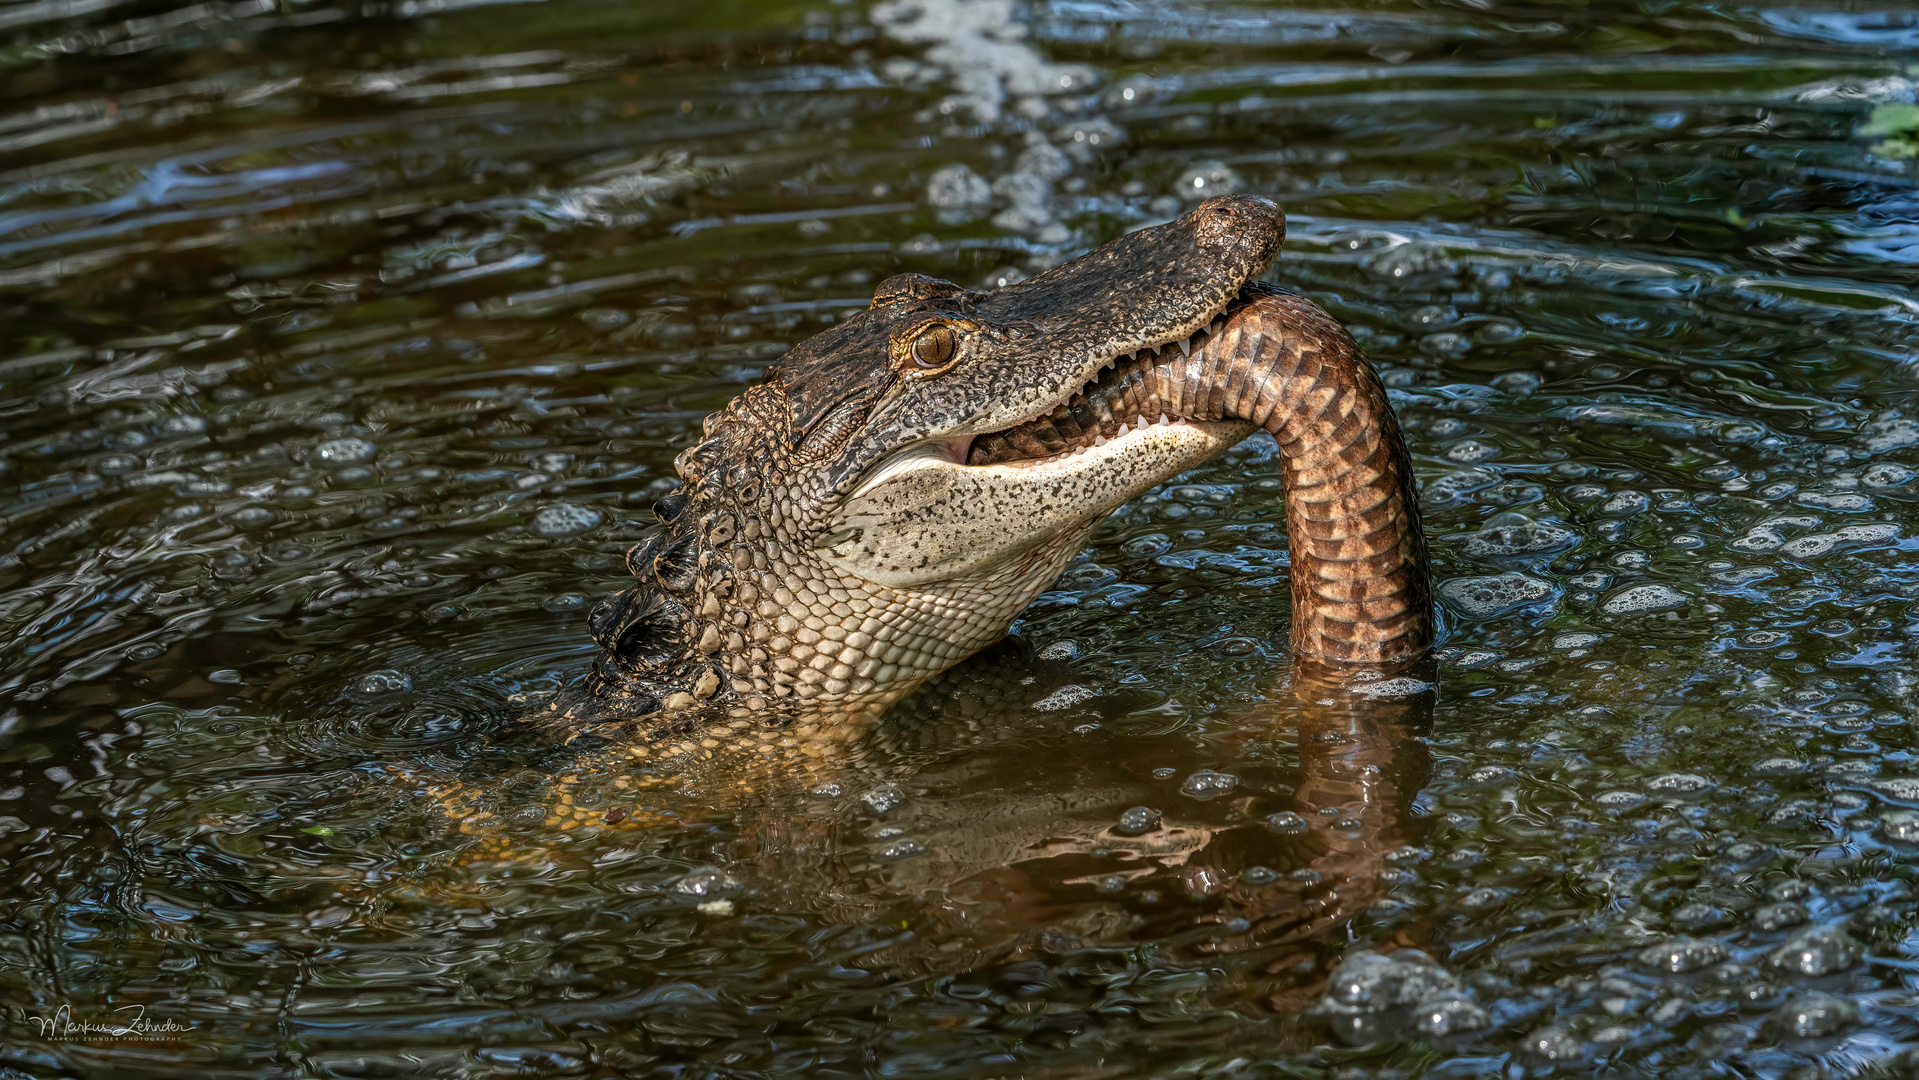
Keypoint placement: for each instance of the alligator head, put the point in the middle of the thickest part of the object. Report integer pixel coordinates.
(907, 481)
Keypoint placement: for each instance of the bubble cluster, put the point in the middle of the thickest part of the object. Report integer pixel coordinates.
(1510, 535)
(1491, 597)
(1372, 997)
(349, 451)
(565, 519)
(1208, 784)
(1635, 599)
(1064, 697)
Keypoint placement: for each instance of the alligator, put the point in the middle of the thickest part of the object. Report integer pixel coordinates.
(905, 482)
(882, 508)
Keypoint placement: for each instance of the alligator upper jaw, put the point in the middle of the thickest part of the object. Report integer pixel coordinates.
(959, 450)
(1038, 441)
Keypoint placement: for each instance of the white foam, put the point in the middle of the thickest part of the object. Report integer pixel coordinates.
(1063, 698)
(1485, 597)
(1637, 598)
(1404, 686)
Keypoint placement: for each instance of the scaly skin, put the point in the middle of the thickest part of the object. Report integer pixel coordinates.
(863, 521)
(1359, 572)
(857, 524)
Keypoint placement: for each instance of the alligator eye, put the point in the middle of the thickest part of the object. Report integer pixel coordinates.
(935, 347)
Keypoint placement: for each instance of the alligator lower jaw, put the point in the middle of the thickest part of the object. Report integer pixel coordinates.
(1136, 429)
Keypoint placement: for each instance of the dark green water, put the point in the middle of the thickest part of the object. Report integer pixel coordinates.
(343, 349)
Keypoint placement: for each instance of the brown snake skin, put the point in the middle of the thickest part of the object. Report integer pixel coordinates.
(1360, 582)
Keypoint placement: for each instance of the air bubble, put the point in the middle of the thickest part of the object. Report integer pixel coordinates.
(1515, 534)
(957, 194)
(1516, 383)
(1457, 485)
(565, 519)
(1678, 784)
(1867, 534)
(1844, 502)
(1757, 540)
(1501, 332)
(1207, 784)
(252, 517)
(1889, 431)
(1641, 598)
(1448, 346)
(1207, 179)
(1773, 917)
(1404, 686)
(1807, 546)
(1410, 262)
(1432, 316)
(1903, 789)
(899, 850)
(1488, 597)
(1552, 1044)
(1900, 826)
(1814, 1015)
(1696, 917)
(706, 883)
(1063, 649)
(883, 798)
(1789, 889)
(386, 681)
(1626, 504)
(1285, 821)
(1136, 820)
(344, 451)
(1063, 698)
(1371, 997)
(1471, 451)
(605, 318)
(1680, 955)
(1885, 475)
(1815, 951)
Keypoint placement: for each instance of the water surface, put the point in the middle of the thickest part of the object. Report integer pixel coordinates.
(344, 348)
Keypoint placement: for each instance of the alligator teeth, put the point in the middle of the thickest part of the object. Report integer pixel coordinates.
(1163, 420)
(1142, 422)
(1185, 347)
(1099, 440)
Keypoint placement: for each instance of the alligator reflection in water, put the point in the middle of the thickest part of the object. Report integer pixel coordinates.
(997, 808)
